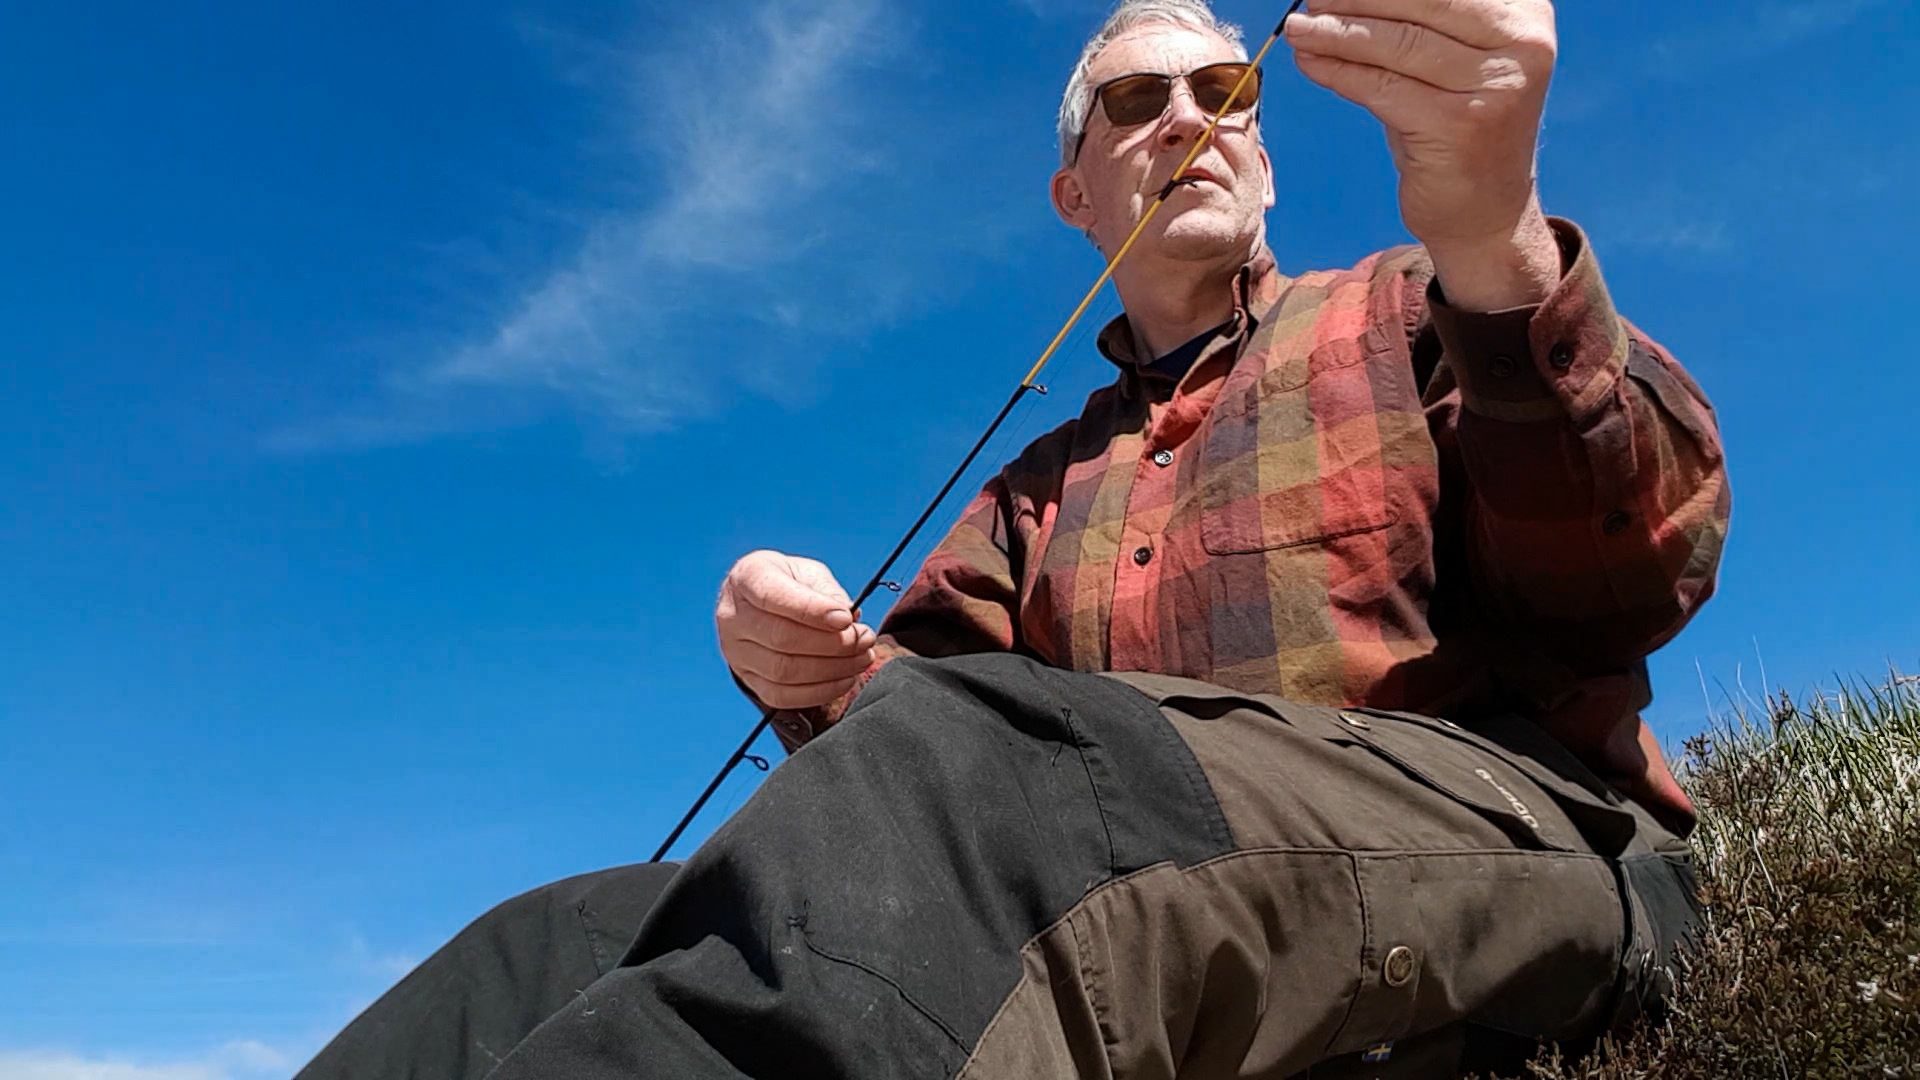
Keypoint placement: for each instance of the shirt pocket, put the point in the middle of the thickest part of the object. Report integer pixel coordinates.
(1295, 458)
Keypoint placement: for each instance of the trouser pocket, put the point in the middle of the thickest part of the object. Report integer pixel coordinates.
(1472, 762)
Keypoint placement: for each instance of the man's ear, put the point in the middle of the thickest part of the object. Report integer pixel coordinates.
(1266, 169)
(1070, 200)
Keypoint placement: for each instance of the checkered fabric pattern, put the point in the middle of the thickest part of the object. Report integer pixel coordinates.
(1360, 496)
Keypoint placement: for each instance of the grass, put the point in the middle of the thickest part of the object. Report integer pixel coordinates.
(1809, 848)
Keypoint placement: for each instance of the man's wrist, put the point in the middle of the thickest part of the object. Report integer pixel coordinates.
(1516, 268)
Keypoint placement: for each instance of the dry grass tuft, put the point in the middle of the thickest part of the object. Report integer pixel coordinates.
(1810, 863)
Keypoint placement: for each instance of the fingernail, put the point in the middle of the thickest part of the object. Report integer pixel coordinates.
(839, 619)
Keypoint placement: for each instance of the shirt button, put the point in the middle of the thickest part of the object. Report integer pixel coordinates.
(1163, 458)
(1398, 970)
(1561, 357)
(1142, 556)
(1616, 523)
(1501, 367)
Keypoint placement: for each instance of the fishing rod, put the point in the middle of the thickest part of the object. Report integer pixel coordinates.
(1027, 385)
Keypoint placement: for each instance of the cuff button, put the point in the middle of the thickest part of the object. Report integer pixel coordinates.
(1561, 357)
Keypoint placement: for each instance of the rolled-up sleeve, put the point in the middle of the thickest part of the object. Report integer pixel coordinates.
(1598, 502)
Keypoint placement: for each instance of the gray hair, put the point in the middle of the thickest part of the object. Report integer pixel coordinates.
(1077, 104)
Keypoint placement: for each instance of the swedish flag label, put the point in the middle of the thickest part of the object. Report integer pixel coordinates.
(1379, 1054)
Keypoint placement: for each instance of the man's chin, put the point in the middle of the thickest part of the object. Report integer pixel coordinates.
(1195, 237)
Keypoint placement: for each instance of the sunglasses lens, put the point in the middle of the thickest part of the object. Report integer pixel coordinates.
(1135, 99)
(1212, 86)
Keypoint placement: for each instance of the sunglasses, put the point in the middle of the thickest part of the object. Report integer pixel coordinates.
(1131, 100)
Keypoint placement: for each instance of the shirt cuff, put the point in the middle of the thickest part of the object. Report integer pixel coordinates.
(1547, 361)
(796, 728)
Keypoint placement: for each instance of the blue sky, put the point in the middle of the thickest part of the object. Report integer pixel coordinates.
(387, 389)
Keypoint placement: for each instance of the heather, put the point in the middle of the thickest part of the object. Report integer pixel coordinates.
(1809, 965)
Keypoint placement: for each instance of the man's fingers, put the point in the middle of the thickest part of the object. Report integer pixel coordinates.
(774, 589)
(796, 697)
(754, 661)
(817, 577)
(1402, 47)
(792, 638)
(1400, 102)
(1482, 24)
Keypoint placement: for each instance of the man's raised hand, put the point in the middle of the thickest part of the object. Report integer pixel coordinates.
(789, 631)
(1460, 86)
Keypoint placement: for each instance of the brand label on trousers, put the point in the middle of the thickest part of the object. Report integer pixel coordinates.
(1519, 808)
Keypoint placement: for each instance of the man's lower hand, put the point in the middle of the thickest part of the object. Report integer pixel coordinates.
(789, 631)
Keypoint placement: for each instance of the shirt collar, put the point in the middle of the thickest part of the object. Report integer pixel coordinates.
(1255, 288)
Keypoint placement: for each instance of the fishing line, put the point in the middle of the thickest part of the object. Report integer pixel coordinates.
(1027, 386)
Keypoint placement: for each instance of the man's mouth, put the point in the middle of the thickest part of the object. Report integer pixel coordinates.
(1195, 176)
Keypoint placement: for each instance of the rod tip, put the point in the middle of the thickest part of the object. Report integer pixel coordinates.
(1291, 10)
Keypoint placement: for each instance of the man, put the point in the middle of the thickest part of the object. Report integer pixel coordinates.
(1450, 480)
(1519, 526)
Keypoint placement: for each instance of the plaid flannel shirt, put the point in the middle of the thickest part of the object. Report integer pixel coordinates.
(1360, 496)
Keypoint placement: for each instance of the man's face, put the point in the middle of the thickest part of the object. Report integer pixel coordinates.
(1121, 170)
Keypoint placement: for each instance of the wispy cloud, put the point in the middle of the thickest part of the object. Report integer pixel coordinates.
(385, 966)
(245, 1060)
(750, 248)
(1755, 32)
(1666, 224)
(1060, 9)
(1699, 40)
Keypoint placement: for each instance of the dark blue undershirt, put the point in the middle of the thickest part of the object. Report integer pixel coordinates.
(1177, 363)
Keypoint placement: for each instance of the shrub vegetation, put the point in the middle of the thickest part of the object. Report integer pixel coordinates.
(1809, 848)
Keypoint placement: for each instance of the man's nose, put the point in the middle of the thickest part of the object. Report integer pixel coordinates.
(1184, 119)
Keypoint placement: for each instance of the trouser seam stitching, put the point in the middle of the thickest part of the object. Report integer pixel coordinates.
(595, 940)
(1366, 950)
(928, 1014)
(1096, 996)
(1093, 785)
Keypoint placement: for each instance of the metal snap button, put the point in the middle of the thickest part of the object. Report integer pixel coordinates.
(1616, 523)
(1398, 970)
(1142, 556)
(1163, 458)
(1501, 367)
(1561, 357)
(1355, 720)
